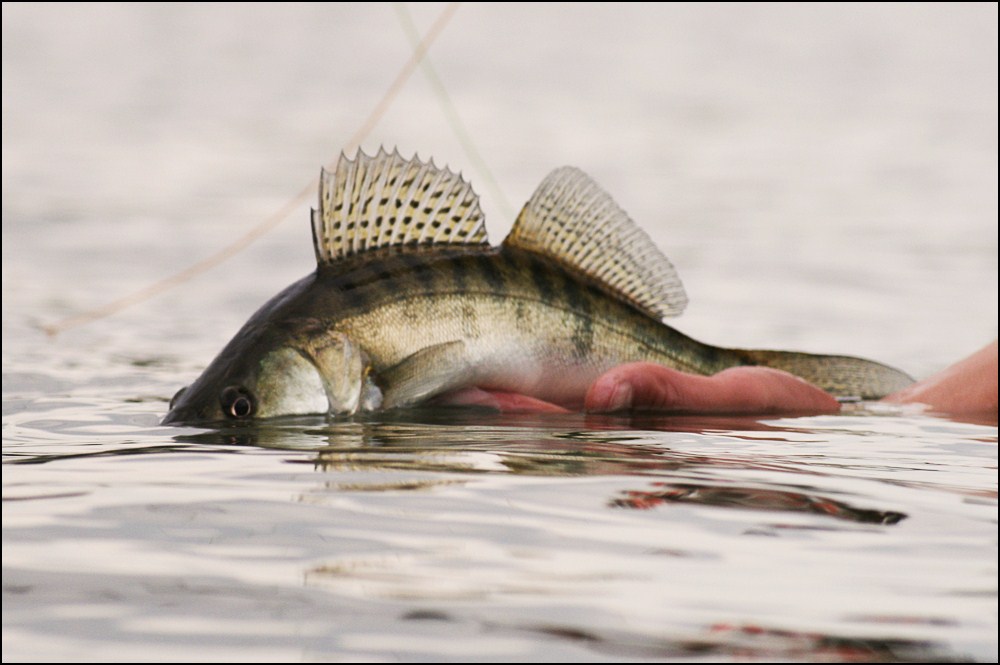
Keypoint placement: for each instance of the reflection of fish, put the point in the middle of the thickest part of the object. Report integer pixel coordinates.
(409, 301)
(756, 499)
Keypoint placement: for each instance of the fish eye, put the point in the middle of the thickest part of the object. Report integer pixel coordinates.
(237, 402)
(177, 396)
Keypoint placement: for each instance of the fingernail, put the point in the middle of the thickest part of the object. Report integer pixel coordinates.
(620, 397)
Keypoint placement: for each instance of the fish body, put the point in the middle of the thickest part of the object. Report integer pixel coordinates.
(409, 301)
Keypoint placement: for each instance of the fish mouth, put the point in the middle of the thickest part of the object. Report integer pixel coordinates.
(171, 418)
(178, 418)
(192, 406)
(194, 415)
(188, 416)
(175, 415)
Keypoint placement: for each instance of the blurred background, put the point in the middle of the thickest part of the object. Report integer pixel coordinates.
(824, 177)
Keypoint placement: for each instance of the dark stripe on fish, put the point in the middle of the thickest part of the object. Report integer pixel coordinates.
(419, 270)
(490, 273)
(458, 273)
(578, 296)
(542, 276)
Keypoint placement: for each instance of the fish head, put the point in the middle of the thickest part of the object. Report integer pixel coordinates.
(294, 367)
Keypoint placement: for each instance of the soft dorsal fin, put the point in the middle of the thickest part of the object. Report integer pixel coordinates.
(572, 220)
(386, 200)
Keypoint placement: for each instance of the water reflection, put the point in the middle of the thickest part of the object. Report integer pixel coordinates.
(452, 444)
(749, 641)
(475, 441)
(756, 499)
(443, 439)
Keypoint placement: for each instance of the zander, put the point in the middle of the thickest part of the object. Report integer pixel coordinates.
(409, 301)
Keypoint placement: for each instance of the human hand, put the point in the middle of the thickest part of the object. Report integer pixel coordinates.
(648, 386)
(738, 390)
(967, 387)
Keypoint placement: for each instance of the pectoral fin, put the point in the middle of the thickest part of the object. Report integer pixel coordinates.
(425, 374)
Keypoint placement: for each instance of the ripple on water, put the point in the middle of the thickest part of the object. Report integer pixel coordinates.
(559, 537)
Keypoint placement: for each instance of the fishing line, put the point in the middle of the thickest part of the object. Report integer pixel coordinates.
(451, 112)
(272, 221)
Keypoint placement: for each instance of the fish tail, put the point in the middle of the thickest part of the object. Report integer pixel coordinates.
(842, 376)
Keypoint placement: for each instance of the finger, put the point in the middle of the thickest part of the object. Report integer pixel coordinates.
(966, 387)
(502, 401)
(735, 390)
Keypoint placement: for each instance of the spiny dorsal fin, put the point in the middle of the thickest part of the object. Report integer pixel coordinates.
(571, 219)
(385, 200)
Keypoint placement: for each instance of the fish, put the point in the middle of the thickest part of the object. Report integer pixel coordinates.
(409, 302)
